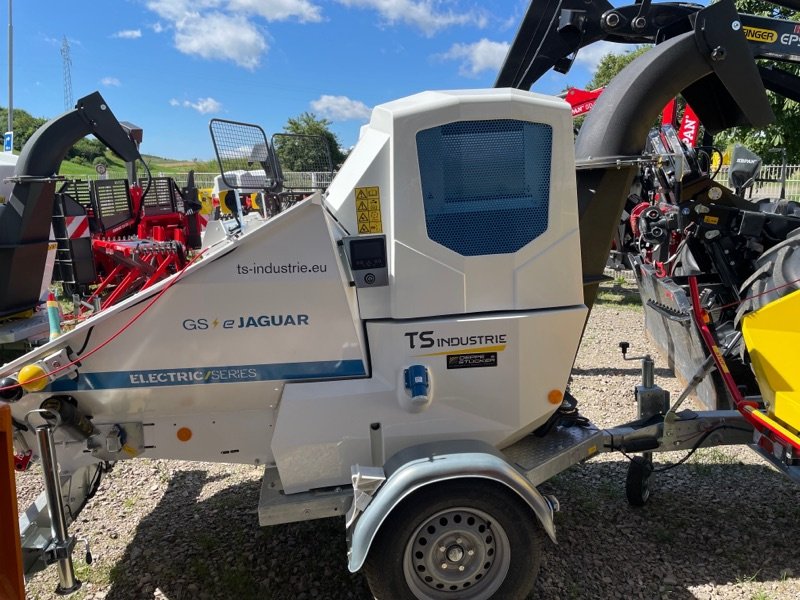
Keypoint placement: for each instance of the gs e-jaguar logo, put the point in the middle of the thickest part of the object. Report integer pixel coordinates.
(246, 321)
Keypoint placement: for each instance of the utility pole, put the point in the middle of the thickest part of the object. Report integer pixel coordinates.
(10, 70)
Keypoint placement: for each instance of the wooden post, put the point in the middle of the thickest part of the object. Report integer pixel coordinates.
(12, 585)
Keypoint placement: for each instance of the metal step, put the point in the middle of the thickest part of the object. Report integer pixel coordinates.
(540, 458)
(275, 507)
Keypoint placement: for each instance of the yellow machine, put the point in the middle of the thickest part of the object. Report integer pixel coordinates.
(772, 336)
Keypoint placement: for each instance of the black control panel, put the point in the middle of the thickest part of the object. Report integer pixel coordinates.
(366, 256)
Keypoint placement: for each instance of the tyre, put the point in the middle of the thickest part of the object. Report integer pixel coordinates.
(777, 274)
(637, 483)
(465, 539)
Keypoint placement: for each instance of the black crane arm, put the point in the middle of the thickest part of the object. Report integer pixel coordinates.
(553, 32)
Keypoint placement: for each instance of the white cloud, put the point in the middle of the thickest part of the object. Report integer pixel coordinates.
(203, 105)
(157, 27)
(429, 16)
(111, 81)
(229, 30)
(128, 34)
(175, 10)
(58, 41)
(206, 105)
(483, 55)
(279, 10)
(220, 36)
(340, 108)
(590, 56)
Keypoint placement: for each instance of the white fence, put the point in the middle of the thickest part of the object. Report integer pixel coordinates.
(768, 183)
(292, 179)
(201, 180)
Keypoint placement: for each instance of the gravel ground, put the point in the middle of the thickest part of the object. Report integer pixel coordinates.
(723, 526)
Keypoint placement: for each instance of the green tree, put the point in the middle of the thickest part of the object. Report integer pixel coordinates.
(88, 149)
(24, 125)
(304, 154)
(611, 64)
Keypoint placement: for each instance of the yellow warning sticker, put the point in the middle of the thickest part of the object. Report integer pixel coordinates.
(756, 34)
(721, 358)
(711, 220)
(368, 209)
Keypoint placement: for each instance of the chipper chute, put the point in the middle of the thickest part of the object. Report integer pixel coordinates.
(25, 219)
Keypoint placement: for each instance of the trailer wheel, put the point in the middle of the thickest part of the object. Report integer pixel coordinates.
(462, 539)
(637, 483)
(777, 274)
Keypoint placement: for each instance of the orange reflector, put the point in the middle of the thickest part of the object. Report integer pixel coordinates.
(32, 378)
(555, 396)
(184, 434)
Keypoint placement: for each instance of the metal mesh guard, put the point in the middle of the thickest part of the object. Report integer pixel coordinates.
(243, 154)
(485, 184)
(305, 161)
(78, 190)
(112, 202)
(163, 197)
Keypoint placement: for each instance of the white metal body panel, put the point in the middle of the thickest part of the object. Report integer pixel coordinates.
(368, 164)
(427, 278)
(212, 354)
(246, 181)
(496, 404)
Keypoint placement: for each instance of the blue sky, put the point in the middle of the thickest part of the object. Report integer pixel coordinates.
(171, 65)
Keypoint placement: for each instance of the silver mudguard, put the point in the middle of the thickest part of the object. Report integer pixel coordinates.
(419, 466)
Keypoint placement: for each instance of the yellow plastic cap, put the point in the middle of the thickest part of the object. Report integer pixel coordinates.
(32, 378)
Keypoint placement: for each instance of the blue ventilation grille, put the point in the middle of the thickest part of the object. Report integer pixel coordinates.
(485, 184)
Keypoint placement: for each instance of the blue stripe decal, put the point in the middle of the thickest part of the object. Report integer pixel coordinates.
(112, 380)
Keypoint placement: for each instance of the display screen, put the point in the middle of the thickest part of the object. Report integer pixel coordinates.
(368, 253)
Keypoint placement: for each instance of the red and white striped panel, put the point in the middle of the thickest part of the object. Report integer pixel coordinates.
(77, 227)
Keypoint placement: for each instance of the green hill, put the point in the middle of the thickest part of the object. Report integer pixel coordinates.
(156, 164)
(85, 152)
